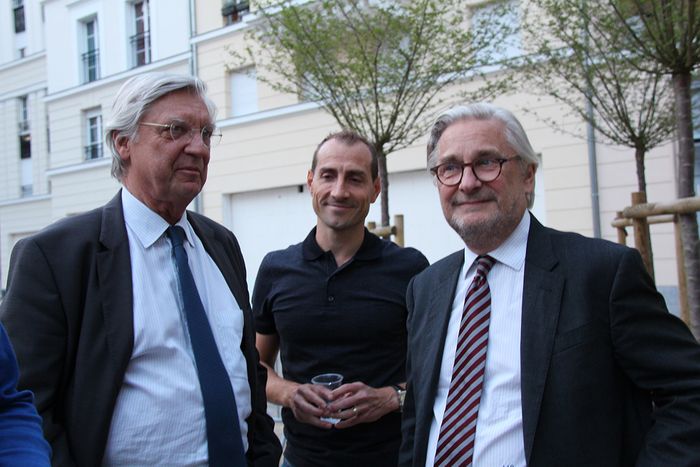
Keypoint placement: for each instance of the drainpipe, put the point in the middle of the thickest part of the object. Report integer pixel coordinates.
(197, 206)
(590, 140)
(593, 170)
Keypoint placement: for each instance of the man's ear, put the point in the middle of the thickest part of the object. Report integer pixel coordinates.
(309, 180)
(377, 182)
(123, 146)
(530, 177)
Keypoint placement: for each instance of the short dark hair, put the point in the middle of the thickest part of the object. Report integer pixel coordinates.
(349, 138)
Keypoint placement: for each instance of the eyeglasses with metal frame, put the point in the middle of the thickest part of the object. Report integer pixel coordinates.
(179, 130)
(485, 170)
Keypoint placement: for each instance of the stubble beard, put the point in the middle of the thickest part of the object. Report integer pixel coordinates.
(487, 234)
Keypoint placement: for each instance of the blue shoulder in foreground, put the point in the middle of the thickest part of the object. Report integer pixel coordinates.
(21, 439)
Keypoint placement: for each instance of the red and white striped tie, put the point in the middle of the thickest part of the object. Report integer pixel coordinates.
(458, 430)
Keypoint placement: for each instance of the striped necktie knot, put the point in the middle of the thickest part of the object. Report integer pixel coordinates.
(483, 265)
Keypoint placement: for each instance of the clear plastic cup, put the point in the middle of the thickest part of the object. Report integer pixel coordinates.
(331, 381)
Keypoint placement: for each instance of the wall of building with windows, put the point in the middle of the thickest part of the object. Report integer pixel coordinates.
(257, 174)
(130, 33)
(21, 29)
(261, 164)
(23, 123)
(55, 99)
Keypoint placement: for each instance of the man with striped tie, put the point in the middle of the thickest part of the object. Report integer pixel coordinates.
(533, 346)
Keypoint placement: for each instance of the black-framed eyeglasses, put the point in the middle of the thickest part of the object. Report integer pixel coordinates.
(485, 170)
(182, 132)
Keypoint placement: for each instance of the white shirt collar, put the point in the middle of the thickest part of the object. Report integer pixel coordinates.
(511, 252)
(146, 224)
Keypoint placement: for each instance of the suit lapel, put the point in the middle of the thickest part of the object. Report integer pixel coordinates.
(432, 329)
(234, 274)
(542, 292)
(438, 313)
(115, 283)
(215, 245)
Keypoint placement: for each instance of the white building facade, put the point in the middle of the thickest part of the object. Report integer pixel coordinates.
(74, 54)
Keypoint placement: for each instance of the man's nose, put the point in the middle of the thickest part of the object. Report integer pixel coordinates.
(339, 189)
(196, 144)
(469, 181)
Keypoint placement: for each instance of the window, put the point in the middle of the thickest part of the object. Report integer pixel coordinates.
(18, 9)
(23, 115)
(91, 62)
(141, 39)
(25, 163)
(25, 138)
(234, 10)
(93, 134)
(244, 92)
(25, 146)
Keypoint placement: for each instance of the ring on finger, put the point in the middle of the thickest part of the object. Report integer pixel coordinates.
(355, 411)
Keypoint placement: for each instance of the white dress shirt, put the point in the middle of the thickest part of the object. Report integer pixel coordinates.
(159, 415)
(499, 427)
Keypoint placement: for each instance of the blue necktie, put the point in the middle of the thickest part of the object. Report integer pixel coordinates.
(223, 431)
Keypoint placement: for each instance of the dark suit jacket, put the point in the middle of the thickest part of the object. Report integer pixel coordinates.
(68, 311)
(609, 377)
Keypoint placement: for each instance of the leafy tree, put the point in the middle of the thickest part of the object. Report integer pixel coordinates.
(381, 68)
(577, 58)
(655, 37)
(667, 34)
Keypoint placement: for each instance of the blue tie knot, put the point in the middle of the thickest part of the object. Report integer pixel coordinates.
(176, 234)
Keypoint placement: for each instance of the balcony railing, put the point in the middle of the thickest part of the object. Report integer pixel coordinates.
(93, 151)
(91, 65)
(233, 11)
(141, 48)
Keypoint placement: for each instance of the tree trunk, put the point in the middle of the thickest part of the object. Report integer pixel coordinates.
(641, 177)
(384, 180)
(686, 188)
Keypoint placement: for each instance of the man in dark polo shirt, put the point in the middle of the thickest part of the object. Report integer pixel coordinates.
(335, 303)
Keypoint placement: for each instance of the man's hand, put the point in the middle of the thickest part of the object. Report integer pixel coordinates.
(356, 403)
(308, 403)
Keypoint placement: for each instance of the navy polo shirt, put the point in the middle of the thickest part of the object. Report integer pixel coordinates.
(349, 320)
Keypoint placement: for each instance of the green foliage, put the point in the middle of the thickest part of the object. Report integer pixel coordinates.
(583, 58)
(667, 32)
(377, 66)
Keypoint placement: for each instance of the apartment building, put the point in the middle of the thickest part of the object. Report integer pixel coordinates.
(23, 126)
(257, 174)
(61, 62)
(77, 53)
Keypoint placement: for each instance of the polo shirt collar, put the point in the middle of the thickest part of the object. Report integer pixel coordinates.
(370, 249)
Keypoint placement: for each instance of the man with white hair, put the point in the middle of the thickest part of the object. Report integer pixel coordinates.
(533, 346)
(132, 322)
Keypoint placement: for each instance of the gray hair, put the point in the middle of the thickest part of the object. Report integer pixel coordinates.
(513, 132)
(134, 99)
